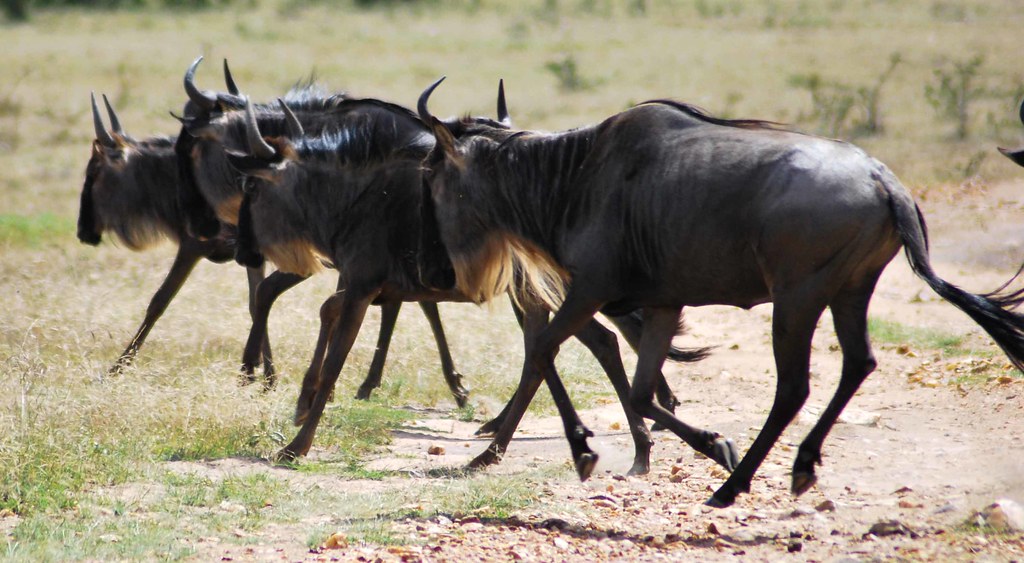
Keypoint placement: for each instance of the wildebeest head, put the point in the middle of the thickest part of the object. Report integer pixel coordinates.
(465, 206)
(129, 186)
(1016, 155)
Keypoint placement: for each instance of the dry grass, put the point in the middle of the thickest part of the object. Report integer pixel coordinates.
(66, 432)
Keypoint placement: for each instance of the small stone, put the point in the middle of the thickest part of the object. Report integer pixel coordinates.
(337, 540)
(1004, 515)
(713, 529)
(676, 478)
(435, 449)
(794, 546)
(615, 426)
(110, 538)
(560, 543)
(904, 503)
(888, 528)
(827, 505)
(802, 511)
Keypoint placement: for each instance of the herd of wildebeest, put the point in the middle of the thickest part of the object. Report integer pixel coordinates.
(655, 208)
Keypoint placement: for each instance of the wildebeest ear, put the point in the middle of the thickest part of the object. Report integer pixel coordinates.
(444, 138)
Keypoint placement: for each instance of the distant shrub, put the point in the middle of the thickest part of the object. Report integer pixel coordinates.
(567, 73)
(835, 105)
(954, 89)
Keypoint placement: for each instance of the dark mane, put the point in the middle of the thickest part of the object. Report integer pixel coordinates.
(703, 115)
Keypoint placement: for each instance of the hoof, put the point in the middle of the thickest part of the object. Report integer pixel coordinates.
(363, 394)
(585, 465)
(802, 482)
(246, 379)
(715, 502)
(285, 455)
(489, 429)
(639, 468)
(488, 457)
(725, 453)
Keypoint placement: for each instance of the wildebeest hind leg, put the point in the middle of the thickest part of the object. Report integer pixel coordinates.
(850, 318)
(794, 318)
(451, 377)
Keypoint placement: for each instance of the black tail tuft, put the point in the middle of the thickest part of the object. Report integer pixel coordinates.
(992, 311)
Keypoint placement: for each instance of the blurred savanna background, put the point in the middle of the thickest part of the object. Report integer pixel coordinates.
(930, 87)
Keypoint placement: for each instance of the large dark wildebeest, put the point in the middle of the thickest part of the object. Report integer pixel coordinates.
(210, 194)
(661, 207)
(1016, 155)
(131, 191)
(354, 196)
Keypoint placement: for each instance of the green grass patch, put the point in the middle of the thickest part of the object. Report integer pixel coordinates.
(33, 230)
(895, 333)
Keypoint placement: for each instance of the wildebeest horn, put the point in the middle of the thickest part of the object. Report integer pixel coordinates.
(229, 81)
(202, 99)
(421, 106)
(503, 116)
(257, 146)
(294, 127)
(115, 124)
(101, 131)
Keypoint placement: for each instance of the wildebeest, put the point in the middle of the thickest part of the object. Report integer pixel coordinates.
(354, 195)
(209, 194)
(1016, 155)
(663, 206)
(130, 190)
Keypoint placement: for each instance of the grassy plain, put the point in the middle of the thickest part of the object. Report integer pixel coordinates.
(69, 435)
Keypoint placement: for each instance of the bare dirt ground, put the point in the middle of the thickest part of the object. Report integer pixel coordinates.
(915, 450)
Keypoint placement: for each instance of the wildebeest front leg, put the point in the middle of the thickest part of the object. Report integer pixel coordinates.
(267, 292)
(255, 276)
(190, 252)
(349, 309)
(529, 381)
(329, 313)
(604, 346)
(659, 328)
(388, 318)
(576, 311)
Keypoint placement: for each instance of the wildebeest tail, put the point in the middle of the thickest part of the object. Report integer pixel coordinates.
(991, 311)
(631, 326)
(247, 251)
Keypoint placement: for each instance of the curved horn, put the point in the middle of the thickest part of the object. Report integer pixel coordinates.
(294, 127)
(421, 105)
(115, 124)
(503, 116)
(257, 146)
(229, 81)
(202, 99)
(101, 131)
